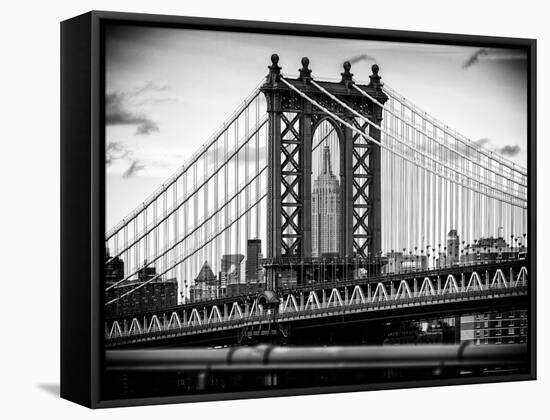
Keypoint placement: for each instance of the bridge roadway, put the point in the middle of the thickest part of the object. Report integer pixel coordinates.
(445, 291)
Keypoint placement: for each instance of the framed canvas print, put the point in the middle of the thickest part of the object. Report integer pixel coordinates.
(256, 209)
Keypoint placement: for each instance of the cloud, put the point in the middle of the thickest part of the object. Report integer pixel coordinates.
(128, 162)
(117, 113)
(129, 108)
(115, 151)
(150, 86)
(483, 141)
(133, 169)
(509, 150)
(146, 127)
(361, 57)
(156, 101)
(494, 54)
(474, 58)
(120, 106)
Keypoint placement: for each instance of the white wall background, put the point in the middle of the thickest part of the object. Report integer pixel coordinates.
(29, 174)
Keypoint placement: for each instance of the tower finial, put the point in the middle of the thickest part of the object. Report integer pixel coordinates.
(347, 76)
(305, 72)
(375, 78)
(274, 70)
(326, 161)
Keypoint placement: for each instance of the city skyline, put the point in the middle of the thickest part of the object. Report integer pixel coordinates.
(230, 270)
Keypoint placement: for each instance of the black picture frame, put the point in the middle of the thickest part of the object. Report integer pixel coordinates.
(83, 192)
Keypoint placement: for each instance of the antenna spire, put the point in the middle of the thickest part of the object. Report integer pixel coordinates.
(326, 161)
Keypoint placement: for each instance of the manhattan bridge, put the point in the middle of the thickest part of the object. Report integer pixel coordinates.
(406, 181)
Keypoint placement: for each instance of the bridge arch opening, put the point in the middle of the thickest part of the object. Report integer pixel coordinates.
(326, 190)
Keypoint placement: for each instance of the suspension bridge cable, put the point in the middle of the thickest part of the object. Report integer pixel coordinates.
(455, 134)
(368, 137)
(434, 137)
(212, 140)
(192, 232)
(157, 276)
(418, 150)
(195, 191)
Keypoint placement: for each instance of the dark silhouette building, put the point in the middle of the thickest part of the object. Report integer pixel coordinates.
(253, 255)
(114, 269)
(156, 294)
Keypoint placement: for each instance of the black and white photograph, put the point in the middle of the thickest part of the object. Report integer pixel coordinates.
(275, 210)
(296, 213)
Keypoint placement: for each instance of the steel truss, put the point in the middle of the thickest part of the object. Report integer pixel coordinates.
(324, 300)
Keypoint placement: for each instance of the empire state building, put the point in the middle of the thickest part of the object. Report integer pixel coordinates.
(325, 205)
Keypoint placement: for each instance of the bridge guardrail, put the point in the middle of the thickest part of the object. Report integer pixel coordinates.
(273, 317)
(338, 283)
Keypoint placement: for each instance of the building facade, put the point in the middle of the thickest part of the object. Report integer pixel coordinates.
(156, 294)
(231, 274)
(495, 327)
(325, 207)
(491, 250)
(428, 331)
(453, 247)
(399, 262)
(206, 285)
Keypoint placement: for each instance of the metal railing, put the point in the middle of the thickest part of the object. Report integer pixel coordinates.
(323, 310)
(268, 357)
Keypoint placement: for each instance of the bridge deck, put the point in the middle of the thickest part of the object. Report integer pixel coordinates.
(479, 287)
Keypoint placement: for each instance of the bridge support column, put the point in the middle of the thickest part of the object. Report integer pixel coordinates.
(375, 218)
(375, 160)
(369, 293)
(438, 285)
(274, 110)
(462, 282)
(415, 288)
(306, 157)
(346, 196)
(487, 280)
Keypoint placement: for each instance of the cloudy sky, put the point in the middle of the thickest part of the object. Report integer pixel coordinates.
(168, 90)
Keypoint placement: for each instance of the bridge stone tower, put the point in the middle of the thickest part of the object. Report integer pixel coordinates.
(293, 120)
